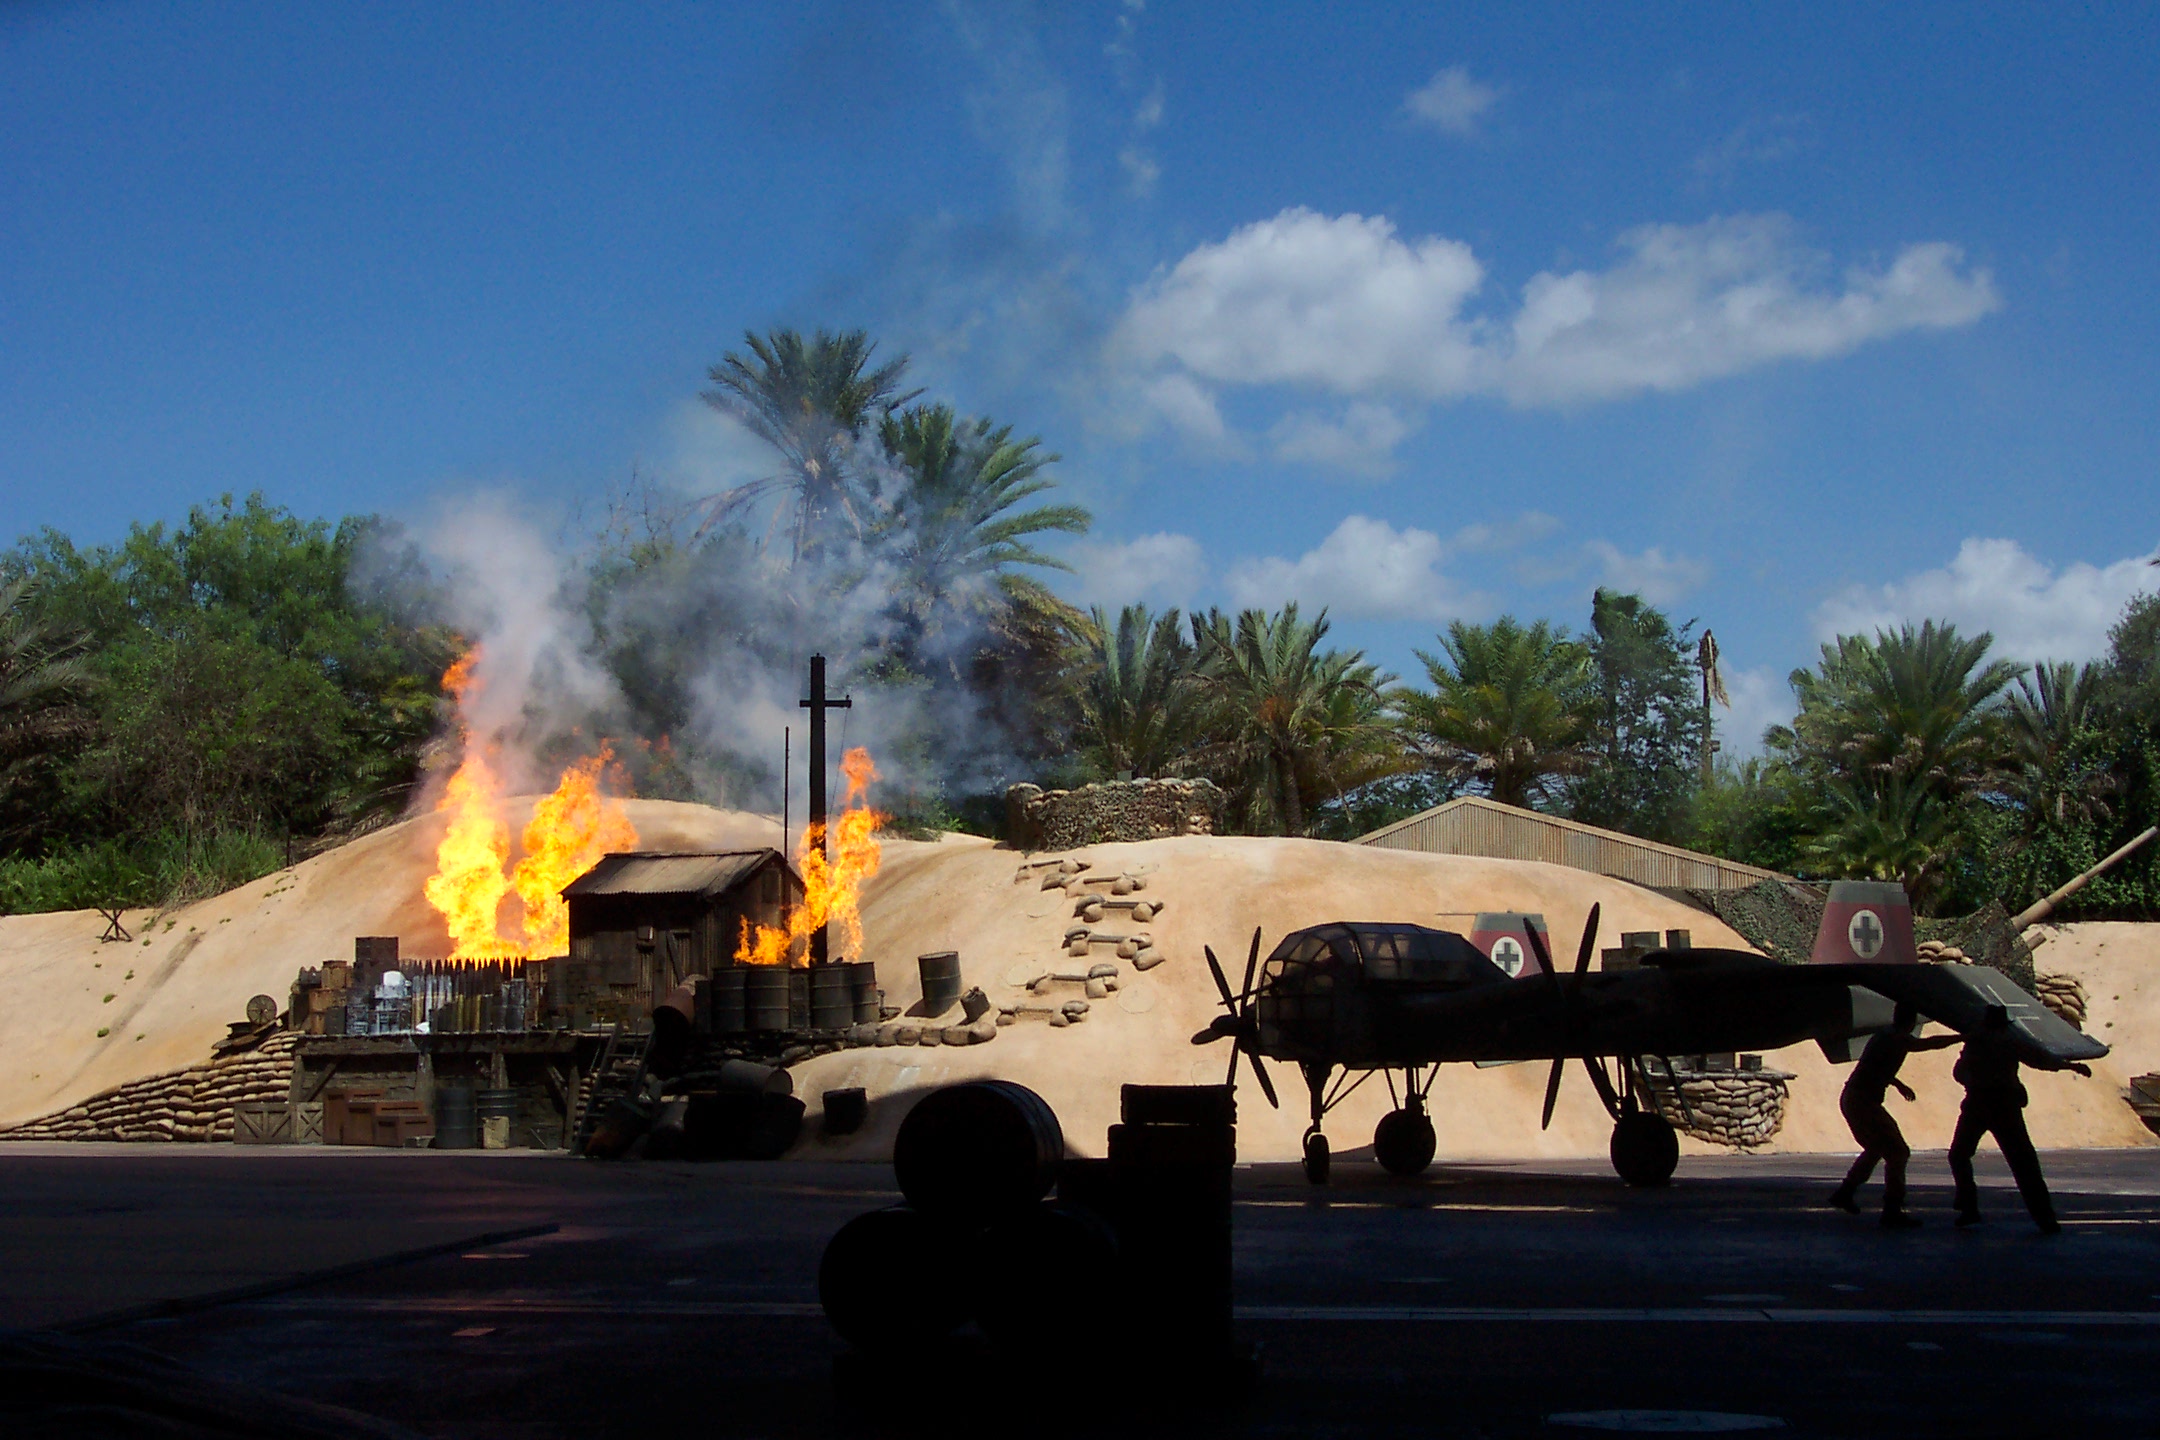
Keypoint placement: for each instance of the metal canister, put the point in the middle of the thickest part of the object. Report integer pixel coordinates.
(940, 981)
(869, 1005)
(832, 997)
(765, 996)
(724, 989)
(456, 1117)
(497, 1110)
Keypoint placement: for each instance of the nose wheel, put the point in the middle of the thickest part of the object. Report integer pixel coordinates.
(1403, 1142)
(1316, 1157)
(1645, 1150)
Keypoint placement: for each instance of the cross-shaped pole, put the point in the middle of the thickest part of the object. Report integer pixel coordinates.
(817, 705)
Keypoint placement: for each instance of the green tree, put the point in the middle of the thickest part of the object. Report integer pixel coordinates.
(1287, 724)
(954, 530)
(811, 401)
(1512, 707)
(44, 677)
(1135, 688)
(1648, 735)
(1894, 736)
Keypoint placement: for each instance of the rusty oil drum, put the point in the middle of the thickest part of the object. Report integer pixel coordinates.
(869, 1006)
(940, 981)
(728, 1006)
(832, 997)
(765, 996)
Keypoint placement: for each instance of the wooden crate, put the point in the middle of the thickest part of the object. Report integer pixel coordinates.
(308, 1123)
(262, 1123)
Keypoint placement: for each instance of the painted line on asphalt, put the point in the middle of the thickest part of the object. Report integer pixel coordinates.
(1269, 1314)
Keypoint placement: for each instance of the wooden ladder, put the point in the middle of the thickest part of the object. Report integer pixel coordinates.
(620, 1072)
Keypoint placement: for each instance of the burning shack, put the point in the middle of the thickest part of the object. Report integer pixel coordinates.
(643, 922)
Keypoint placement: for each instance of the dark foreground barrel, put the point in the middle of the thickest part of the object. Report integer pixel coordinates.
(863, 977)
(730, 1015)
(871, 1280)
(846, 1109)
(940, 981)
(832, 997)
(798, 1000)
(765, 995)
(747, 1077)
(457, 1125)
(1046, 1307)
(976, 1150)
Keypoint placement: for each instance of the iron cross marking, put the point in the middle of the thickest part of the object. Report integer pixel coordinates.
(1866, 934)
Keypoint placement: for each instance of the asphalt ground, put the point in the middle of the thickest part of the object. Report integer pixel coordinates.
(1529, 1298)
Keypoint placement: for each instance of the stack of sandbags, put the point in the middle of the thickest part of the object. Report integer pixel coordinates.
(1742, 1108)
(1941, 952)
(192, 1104)
(2063, 994)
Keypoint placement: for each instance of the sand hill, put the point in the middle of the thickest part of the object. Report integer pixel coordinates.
(176, 987)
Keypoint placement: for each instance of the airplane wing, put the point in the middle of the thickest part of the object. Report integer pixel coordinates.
(1959, 996)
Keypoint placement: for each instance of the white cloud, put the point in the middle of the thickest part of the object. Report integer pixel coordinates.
(1365, 569)
(1452, 101)
(1330, 303)
(1343, 305)
(1186, 404)
(1659, 578)
(1760, 699)
(1362, 442)
(1690, 303)
(1141, 170)
(2034, 612)
(1162, 569)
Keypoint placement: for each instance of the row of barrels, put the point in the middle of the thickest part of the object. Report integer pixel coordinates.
(745, 999)
(1144, 1234)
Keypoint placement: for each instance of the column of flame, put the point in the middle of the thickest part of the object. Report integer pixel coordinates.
(469, 880)
(569, 832)
(832, 884)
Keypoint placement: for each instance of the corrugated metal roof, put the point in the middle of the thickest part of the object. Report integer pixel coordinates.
(1473, 825)
(658, 872)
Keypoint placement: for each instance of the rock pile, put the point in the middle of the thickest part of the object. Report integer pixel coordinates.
(1036, 819)
(1742, 1108)
(2063, 994)
(192, 1104)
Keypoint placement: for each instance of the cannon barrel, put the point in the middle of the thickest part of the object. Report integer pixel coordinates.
(2039, 910)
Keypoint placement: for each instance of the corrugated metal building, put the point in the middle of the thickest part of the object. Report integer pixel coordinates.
(1473, 825)
(643, 921)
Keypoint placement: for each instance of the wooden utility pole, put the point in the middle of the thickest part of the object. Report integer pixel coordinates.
(817, 705)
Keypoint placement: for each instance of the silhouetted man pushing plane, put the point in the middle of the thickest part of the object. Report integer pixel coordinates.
(1995, 1105)
(1871, 1122)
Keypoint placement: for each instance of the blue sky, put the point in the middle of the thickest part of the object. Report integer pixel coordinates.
(1797, 322)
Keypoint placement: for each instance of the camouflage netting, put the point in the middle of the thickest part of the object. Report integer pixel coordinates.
(1780, 919)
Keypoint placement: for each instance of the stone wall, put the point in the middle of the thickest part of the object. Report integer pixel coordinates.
(1036, 819)
(192, 1104)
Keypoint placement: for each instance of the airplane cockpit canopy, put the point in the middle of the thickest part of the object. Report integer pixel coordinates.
(1404, 954)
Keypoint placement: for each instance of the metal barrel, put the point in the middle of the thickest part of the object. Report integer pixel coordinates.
(497, 1113)
(798, 1000)
(940, 981)
(869, 1008)
(977, 1150)
(857, 1280)
(832, 997)
(457, 1125)
(846, 1109)
(729, 1013)
(747, 1077)
(765, 996)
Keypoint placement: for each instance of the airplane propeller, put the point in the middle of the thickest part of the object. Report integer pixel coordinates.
(1568, 1002)
(1236, 1023)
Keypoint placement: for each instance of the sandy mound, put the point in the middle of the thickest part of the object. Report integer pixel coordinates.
(181, 981)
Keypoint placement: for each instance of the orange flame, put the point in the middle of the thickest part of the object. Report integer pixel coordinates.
(832, 883)
(569, 831)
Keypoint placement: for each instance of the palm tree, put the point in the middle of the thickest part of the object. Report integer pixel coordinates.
(2052, 773)
(1283, 717)
(1511, 706)
(953, 530)
(809, 400)
(1902, 832)
(43, 674)
(1921, 706)
(1136, 690)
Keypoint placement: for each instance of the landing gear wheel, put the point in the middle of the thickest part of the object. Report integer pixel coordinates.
(1644, 1148)
(1403, 1142)
(1316, 1158)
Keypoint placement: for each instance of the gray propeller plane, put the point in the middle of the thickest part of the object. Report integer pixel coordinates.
(1353, 999)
